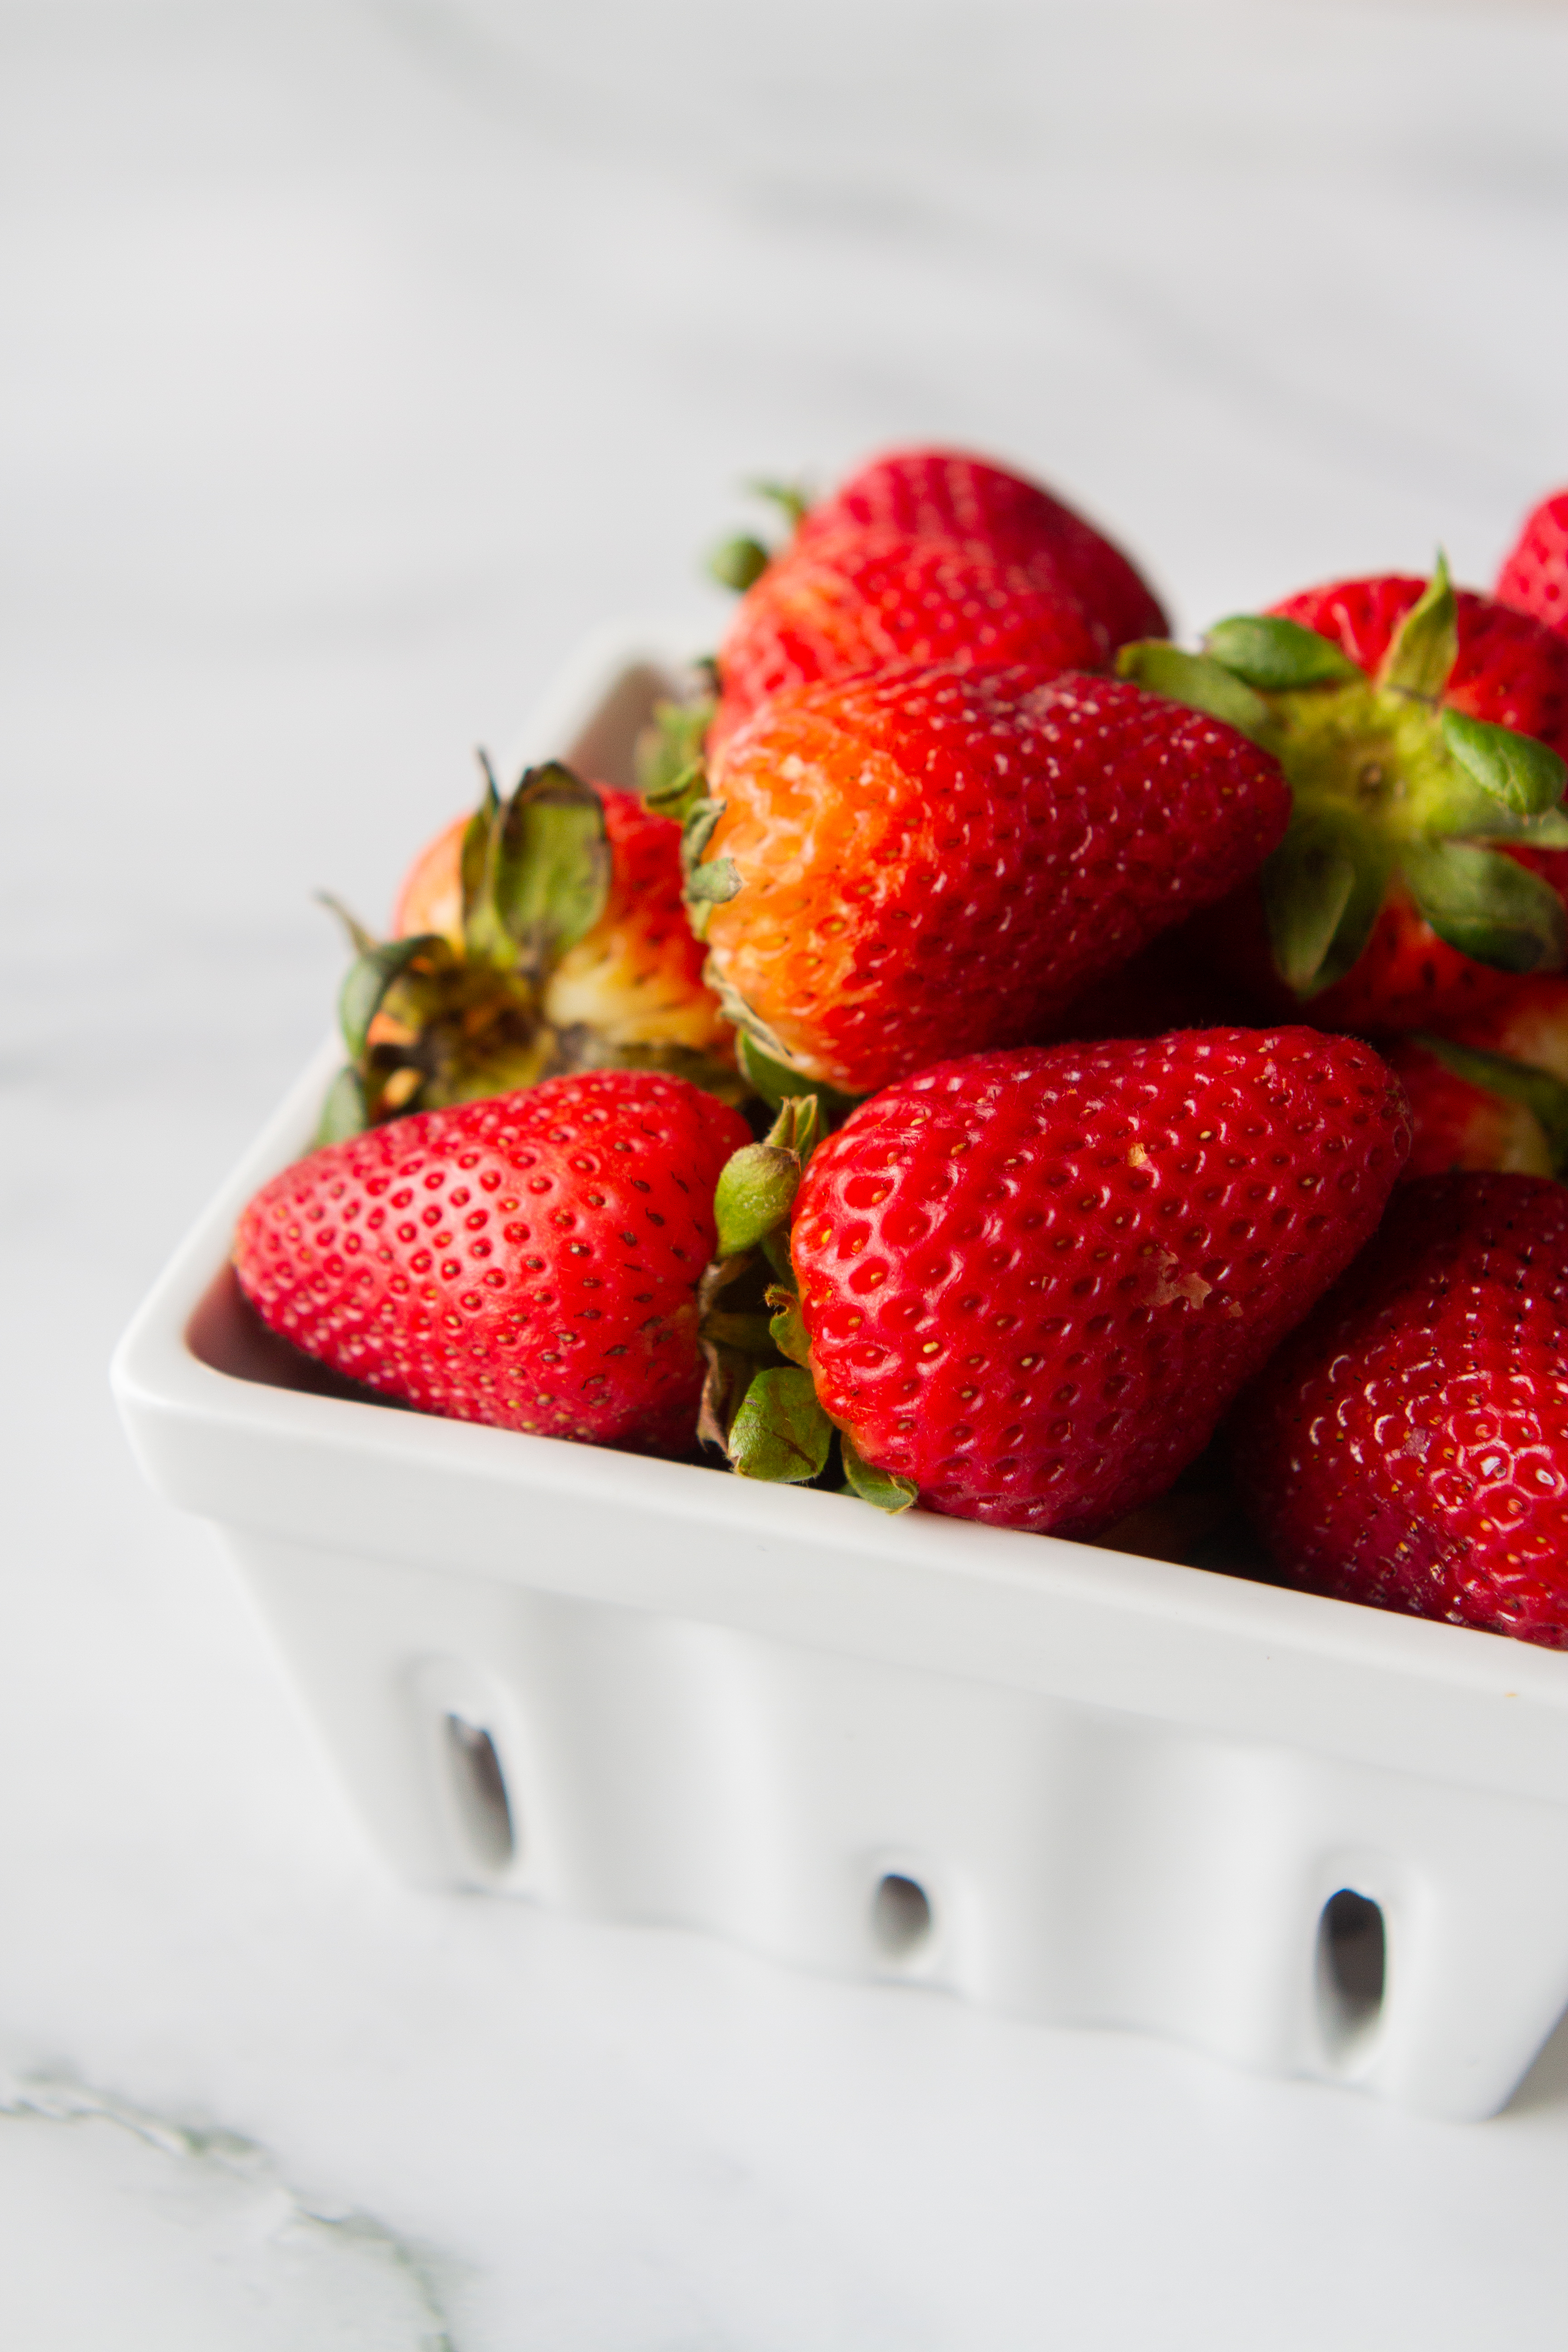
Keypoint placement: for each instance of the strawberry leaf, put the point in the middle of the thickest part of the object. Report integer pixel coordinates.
(1549, 830)
(549, 868)
(747, 1335)
(344, 1112)
(791, 499)
(1277, 655)
(1526, 776)
(360, 939)
(475, 854)
(697, 831)
(730, 1373)
(788, 1327)
(1202, 683)
(1540, 1093)
(370, 976)
(884, 1489)
(737, 562)
(777, 1083)
(781, 1433)
(754, 1195)
(670, 770)
(713, 884)
(1421, 658)
(1322, 891)
(1487, 905)
(757, 1184)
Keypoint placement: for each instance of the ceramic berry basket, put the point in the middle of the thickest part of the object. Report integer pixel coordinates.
(1080, 1786)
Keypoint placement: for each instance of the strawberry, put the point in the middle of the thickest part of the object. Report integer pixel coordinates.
(635, 978)
(1408, 1447)
(924, 556)
(1527, 1019)
(531, 1261)
(545, 933)
(1422, 732)
(1471, 1110)
(853, 600)
(947, 495)
(1489, 1090)
(1534, 575)
(930, 860)
(1030, 1283)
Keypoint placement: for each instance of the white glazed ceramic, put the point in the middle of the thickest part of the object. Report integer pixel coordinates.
(1081, 1786)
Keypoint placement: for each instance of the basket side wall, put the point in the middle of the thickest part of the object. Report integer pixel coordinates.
(1060, 1861)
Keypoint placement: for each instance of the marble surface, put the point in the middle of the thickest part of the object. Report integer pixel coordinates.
(356, 357)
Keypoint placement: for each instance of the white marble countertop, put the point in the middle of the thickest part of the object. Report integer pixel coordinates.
(356, 358)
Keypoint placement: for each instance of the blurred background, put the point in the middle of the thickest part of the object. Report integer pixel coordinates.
(356, 358)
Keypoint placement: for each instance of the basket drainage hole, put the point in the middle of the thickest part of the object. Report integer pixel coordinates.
(900, 1915)
(480, 1786)
(1353, 1959)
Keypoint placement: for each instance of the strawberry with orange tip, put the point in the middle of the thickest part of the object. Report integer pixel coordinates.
(926, 860)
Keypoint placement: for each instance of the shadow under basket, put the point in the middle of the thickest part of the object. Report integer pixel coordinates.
(1077, 1785)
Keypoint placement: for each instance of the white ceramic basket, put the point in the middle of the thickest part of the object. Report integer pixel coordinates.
(1083, 1787)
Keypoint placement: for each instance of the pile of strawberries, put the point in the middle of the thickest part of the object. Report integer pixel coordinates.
(1006, 1063)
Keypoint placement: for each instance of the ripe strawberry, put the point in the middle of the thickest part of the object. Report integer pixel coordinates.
(1490, 1090)
(531, 1261)
(1031, 1282)
(851, 600)
(1408, 1447)
(1534, 575)
(929, 860)
(545, 933)
(1405, 978)
(1460, 1117)
(948, 494)
(1422, 734)
(1527, 1019)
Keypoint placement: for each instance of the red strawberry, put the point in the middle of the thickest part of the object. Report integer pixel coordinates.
(1031, 1282)
(1460, 1117)
(530, 1260)
(1534, 576)
(898, 866)
(852, 599)
(945, 494)
(1422, 734)
(1499, 669)
(1405, 978)
(1408, 1447)
(1527, 1019)
(545, 933)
